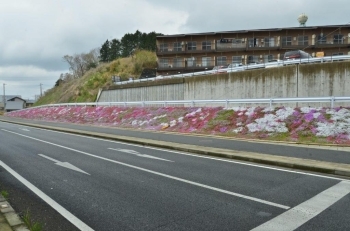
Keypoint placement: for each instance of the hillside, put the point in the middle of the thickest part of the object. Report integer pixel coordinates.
(85, 89)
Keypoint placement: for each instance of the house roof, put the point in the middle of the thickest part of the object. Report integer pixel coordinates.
(16, 97)
(252, 30)
(8, 97)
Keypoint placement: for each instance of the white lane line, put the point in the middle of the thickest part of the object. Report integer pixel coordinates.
(160, 174)
(202, 156)
(133, 152)
(24, 129)
(297, 216)
(65, 213)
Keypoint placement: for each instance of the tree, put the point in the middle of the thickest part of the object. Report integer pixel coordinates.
(104, 52)
(115, 49)
(79, 64)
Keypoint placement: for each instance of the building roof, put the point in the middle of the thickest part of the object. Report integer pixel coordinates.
(8, 97)
(16, 97)
(252, 30)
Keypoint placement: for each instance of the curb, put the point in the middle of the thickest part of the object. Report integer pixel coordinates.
(12, 221)
(281, 161)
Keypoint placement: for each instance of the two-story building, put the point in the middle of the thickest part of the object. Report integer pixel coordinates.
(182, 53)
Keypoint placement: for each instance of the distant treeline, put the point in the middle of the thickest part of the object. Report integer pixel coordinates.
(127, 45)
(79, 64)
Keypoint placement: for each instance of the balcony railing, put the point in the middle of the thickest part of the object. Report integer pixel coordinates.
(186, 47)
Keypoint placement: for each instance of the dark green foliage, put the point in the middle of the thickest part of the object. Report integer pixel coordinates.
(127, 45)
(115, 49)
(104, 52)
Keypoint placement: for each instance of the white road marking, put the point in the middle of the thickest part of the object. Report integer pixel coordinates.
(65, 213)
(201, 156)
(24, 129)
(133, 152)
(64, 164)
(160, 174)
(297, 216)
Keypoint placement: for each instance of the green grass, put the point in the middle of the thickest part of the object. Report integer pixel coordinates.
(5, 194)
(32, 225)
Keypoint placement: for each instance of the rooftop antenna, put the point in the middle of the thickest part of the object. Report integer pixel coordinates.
(302, 19)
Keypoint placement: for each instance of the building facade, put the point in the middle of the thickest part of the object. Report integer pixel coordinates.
(183, 53)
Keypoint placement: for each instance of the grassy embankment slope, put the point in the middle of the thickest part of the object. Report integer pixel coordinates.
(85, 89)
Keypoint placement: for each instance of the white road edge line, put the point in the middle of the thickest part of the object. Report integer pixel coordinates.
(65, 213)
(297, 216)
(161, 174)
(202, 156)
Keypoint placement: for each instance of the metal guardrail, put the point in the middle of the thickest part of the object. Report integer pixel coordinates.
(246, 67)
(332, 100)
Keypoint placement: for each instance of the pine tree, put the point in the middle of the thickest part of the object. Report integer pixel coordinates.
(105, 52)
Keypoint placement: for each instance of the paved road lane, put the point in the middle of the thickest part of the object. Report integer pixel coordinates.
(336, 156)
(130, 187)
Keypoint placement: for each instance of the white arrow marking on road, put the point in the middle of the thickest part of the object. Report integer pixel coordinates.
(24, 129)
(64, 164)
(138, 154)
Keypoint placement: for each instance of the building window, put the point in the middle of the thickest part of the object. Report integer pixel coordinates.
(206, 62)
(303, 40)
(338, 39)
(191, 46)
(177, 46)
(206, 45)
(253, 59)
(221, 61)
(163, 47)
(269, 42)
(321, 39)
(268, 58)
(163, 63)
(252, 42)
(191, 62)
(286, 41)
(238, 43)
(339, 53)
(177, 62)
(236, 59)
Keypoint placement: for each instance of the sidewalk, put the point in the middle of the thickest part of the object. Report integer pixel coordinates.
(9, 220)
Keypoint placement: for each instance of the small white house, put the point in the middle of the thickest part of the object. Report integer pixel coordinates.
(15, 103)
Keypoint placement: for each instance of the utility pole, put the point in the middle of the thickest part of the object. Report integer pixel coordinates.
(41, 90)
(4, 98)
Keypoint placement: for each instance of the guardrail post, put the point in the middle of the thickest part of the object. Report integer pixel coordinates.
(270, 103)
(143, 103)
(332, 102)
(109, 104)
(165, 103)
(192, 103)
(124, 104)
(226, 104)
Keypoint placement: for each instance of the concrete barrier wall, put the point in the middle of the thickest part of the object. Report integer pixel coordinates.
(260, 83)
(144, 93)
(309, 80)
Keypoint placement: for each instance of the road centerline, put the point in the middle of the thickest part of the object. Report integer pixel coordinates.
(297, 216)
(135, 153)
(160, 174)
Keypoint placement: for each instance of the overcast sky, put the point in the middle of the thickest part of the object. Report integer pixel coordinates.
(36, 34)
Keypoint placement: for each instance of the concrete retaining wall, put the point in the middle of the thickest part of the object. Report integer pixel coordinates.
(310, 80)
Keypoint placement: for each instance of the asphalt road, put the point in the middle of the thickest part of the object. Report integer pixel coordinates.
(106, 185)
(336, 156)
